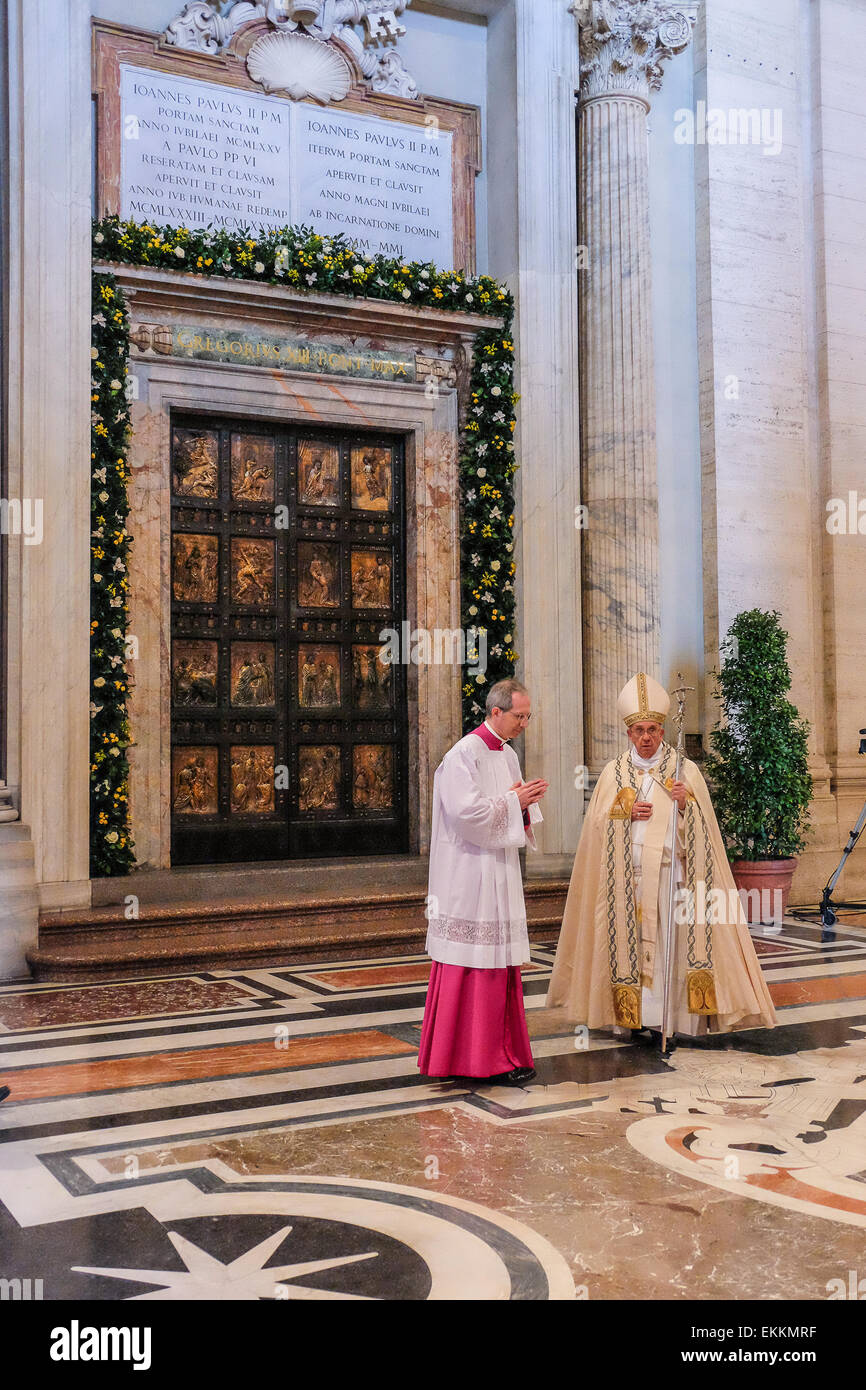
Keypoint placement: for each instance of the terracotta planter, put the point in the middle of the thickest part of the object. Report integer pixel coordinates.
(764, 887)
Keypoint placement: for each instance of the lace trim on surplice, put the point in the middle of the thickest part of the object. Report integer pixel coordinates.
(499, 824)
(473, 933)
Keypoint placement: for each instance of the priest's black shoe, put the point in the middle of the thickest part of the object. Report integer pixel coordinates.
(518, 1077)
(4, 1091)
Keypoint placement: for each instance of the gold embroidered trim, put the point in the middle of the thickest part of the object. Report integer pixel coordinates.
(626, 1005)
(623, 804)
(701, 992)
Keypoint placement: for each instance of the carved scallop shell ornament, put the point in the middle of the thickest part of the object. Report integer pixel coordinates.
(300, 66)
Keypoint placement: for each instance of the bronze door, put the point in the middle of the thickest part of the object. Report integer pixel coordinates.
(289, 733)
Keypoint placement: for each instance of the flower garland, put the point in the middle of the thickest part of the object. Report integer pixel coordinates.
(110, 842)
(299, 257)
(487, 469)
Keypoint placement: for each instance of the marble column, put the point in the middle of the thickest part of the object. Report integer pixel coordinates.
(532, 198)
(622, 46)
(47, 288)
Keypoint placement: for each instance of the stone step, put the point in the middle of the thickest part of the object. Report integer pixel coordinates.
(12, 831)
(278, 882)
(171, 938)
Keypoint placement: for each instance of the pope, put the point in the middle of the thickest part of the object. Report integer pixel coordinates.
(610, 961)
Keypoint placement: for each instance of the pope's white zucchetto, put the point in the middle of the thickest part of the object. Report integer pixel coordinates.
(643, 701)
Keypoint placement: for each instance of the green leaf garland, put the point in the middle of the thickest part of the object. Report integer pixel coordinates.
(302, 259)
(110, 842)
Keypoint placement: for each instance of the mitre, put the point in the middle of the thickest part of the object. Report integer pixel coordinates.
(643, 700)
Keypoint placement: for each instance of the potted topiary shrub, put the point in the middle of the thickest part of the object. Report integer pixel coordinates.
(758, 763)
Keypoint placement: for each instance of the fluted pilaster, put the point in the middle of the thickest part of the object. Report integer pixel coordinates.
(622, 45)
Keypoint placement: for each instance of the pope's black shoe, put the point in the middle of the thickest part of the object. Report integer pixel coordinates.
(4, 1091)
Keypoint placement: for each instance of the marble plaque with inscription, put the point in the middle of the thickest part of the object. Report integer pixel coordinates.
(196, 152)
(384, 184)
(208, 343)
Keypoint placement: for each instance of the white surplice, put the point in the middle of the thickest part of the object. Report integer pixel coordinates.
(476, 914)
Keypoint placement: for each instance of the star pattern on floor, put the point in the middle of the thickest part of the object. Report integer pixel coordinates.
(245, 1277)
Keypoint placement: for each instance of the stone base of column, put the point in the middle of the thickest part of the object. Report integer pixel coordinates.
(19, 911)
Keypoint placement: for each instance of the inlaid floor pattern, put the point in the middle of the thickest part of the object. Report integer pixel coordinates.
(265, 1133)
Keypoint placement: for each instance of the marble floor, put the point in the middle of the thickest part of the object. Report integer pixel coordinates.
(265, 1134)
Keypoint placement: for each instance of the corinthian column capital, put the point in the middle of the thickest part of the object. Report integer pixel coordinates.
(623, 44)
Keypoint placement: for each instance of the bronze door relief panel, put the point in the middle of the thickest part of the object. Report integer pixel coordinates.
(289, 735)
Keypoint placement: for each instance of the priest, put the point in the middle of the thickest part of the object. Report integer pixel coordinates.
(483, 812)
(610, 961)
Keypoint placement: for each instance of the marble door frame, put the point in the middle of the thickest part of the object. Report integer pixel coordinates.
(432, 540)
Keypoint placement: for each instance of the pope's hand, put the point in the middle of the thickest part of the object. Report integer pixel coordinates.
(530, 792)
(641, 810)
(680, 792)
